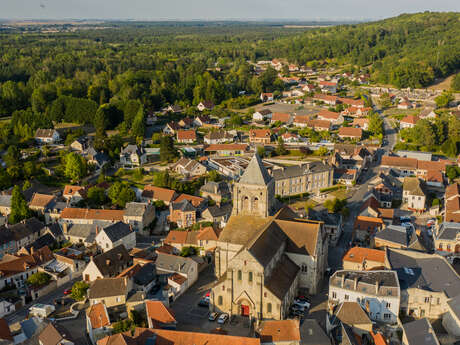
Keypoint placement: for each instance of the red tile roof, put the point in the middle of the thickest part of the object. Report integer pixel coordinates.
(279, 331)
(195, 200)
(302, 119)
(359, 254)
(159, 313)
(98, 316)
(226, 147)
(282, 117)
(70, 190)
(328, 114)
(158, 193)
(259, 133)
(400, 162)
(411, 119)
(95, 214)
(350, 132)
(186, 135)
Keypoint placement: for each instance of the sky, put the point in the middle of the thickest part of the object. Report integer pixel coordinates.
(218, 9)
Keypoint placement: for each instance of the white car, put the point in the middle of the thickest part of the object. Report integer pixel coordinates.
(222, 319)
(301, 303)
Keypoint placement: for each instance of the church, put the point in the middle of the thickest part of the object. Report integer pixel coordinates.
(266, 254)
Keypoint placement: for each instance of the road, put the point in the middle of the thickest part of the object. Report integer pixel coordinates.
(21, 314)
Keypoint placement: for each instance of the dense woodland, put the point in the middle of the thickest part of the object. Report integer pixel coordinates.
(111, 77)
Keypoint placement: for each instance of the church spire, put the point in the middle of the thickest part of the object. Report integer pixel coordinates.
(255, 173)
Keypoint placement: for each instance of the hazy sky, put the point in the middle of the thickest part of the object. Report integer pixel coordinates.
(217, 9)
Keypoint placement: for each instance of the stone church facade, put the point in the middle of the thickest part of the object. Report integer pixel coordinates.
(265, 255)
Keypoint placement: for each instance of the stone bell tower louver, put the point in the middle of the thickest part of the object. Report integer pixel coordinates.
(254, 193)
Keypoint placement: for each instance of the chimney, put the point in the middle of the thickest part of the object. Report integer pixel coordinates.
(130, 227)
(356, 283)
(377, 285)
(343, 280)
(65, 228)
(107, 262)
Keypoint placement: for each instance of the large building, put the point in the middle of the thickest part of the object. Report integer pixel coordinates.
(265, 256)
(305, 178)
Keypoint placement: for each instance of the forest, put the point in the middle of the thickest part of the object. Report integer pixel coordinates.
(111, 77)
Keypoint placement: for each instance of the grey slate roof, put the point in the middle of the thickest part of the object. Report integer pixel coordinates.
(454, 304)
(112, 262)
(146, 274)
(299, 170)
(313, 334)
(135, 209)
(282, 277)
(448, 231)
(86, 231)
(6, 235)
(428, 272)
(396, 234)
(117, 231)
(221, 188)
(173, 263)
(107, 287)
(223, 210)
(256, 173)
(420, 332)
(184, 206)
(26, 228)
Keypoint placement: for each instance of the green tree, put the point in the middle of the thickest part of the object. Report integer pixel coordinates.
(385, 100)
(261, 151)
(188, 251)
(12, 156)
(96, 196)
(167, 151)
(75, 167)
(19, 208)
(79, 290)
(455, 84)
(443, 100)
(39, 279)
(214, 176)
(322, 151)
(138, 124)
(280, 149)
(120, 194)
(375, 124)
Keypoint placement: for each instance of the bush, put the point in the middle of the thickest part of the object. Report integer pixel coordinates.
(39, 279)
(79, 291)
(188, 251)
(332, 188)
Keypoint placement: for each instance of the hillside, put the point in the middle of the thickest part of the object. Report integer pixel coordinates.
(410, 50)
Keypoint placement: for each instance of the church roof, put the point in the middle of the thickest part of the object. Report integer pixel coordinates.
(255, 173)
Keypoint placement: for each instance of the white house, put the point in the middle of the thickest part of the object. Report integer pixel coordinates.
(378, 292)
(114, 235)
(46, 136)
(132, 155)
(262, 115)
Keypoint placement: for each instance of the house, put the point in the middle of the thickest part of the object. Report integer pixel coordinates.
(414, 194)
(109, 291)
(151, 118)
(80, 144)
(332, 222)
(226, 149)
(46, 136)
(5, 204)
(363, 259)
(262, 114)
(328, 86)
(419, 332)
(345, 176)
(218, 214)
(186, 136)
(171, 337)
(132, 156)
(290, 137)
(41, 202)
(408, 122)
(98, 323)
(175, 109)
(303, 178)
(201, 120)
(279, 332)
(427, 113)
(357, 103)
(405, 104)
(159, 316)
(182, 213)
(74, 194)
(447, 240)
(432, 172)
(72, 215)
(196, 201)
(319, 125)
(171, 128)
(427, 282)
(452, 203)
(309, 88)
(403, 166)
(144, 276)
(114, 235)
(327, 99)
(350, 133)
(189, 167)
(349, 314)
(395, 236)
(24, 233)
(54, 334)
(5, 333)
(266, 97)
(451, 319)
(108, 264)
(366, 227)
(283, 118)
(377, 291)
(217, 191)
(361, 123)
(356, 112)
(139, 215)
(312, 333)
(218, 137)
(331, 116)
(260, 136)
(186, 267)
(153, 193)
(205, 105)
(301, 121)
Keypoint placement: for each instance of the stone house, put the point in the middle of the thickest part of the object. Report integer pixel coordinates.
(186, 267)
(41, 202)
(378, 292)
(98, 323)
(205, 105)
(108, 264)
(182, 213)
(395, 236)
(186, 136)
(80, 145)
(365, 228)
(5, 204)
(350, 133)
(332, 223)
(414, 194)
(260, 136)
(427, 282)
(153, 193)
(262, 114)
(363, 259)
(451, 319)
(159, 316)
(216, 191)
(139, 215)
(402, 165)
(74, 194)
(189, 167)
(218, 214)
(132, 156)
(218, 137)
(46, 136)
(114, 235)
(109, 291)
(447, 240)
(283, 332)
(419, 332)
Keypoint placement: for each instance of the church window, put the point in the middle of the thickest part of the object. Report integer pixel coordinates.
(269, 307)
(246, 203)
(240, 275)
(250, 277)
(220, 300)
(255, 204)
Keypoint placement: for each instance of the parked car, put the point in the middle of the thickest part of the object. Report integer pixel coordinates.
(296, 307)
(213, 316)
(302, 303)
(203, 303)
(67, 291)
(405, 219)
(222, 319)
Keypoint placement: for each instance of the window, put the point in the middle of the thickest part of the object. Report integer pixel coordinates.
(269, 307)
(422, 313)
(387, 316)
(250, 277)
(220, 300)
(427, 299)
(240, 275)
(388, 305)
(347, 297)
(265, 294)
(304, 268)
